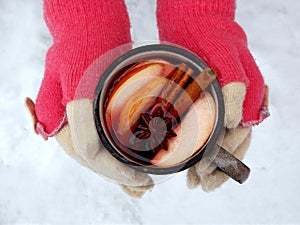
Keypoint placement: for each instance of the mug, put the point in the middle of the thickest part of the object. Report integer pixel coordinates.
(159, 109)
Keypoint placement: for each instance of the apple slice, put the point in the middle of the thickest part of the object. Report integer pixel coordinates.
(192, 133)
(135, 69)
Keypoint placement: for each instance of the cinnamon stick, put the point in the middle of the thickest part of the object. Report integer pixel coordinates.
(173, 89)
(194, 90)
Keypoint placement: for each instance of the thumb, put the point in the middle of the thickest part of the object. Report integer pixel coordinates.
(49, 110)
(234, 95)
(48, 113)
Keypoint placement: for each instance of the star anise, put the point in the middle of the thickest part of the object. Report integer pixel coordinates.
(155, 130)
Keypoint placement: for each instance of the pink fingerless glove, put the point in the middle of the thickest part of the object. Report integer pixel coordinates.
(207, 28)
(82, 31)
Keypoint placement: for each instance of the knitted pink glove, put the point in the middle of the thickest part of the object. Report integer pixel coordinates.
(82, 31)
(207, 28)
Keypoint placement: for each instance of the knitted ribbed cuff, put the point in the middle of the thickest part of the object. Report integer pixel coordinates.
(82, 31)
(72, 16)
(224, 8)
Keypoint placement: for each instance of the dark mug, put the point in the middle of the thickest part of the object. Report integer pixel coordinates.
(159, 109)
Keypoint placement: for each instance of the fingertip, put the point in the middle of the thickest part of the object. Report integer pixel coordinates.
(234, 95)
(30, 106)
(214, 180)
(193, 179)
(131, 192)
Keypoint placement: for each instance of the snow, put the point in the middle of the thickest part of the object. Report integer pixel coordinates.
(40, 184)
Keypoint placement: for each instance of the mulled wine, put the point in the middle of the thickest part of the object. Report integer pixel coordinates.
(157, 112)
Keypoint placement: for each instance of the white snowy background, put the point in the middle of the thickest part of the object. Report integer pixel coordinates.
(40, 184)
